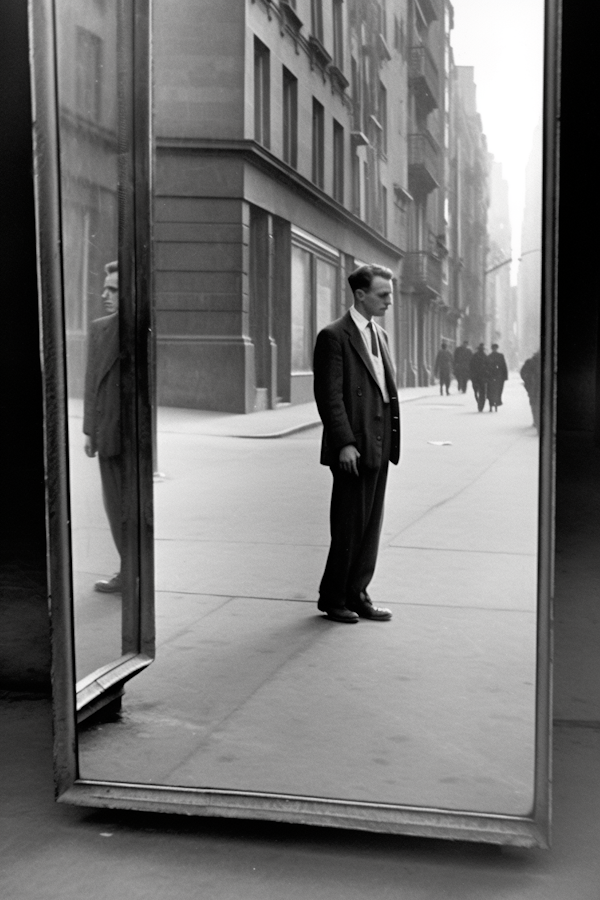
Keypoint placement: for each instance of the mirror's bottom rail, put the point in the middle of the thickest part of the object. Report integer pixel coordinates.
(431, 823)
(105, 685)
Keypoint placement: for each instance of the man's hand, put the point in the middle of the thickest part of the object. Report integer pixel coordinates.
(349, 457)
(89, 450)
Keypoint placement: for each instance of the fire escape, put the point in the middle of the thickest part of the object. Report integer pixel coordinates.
(422, 273)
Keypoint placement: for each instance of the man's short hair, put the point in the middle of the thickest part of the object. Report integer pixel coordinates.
(111, 267)
(362, 278)
(494, 346)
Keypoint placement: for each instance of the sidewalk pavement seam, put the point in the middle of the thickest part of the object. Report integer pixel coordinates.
(314, 423)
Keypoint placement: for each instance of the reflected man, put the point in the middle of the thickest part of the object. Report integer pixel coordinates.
(356, 396)
(102, 411)
(531, 375)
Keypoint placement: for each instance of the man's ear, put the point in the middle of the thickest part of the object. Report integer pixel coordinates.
(359, 295)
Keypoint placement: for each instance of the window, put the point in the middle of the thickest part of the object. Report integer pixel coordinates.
(355, 184)
(355, 94)
(384, 211)
(383, 19)
(318, 143)
(262, 90)
(338, 162)
(301, 310)
(399, 39)
(338, 34)
(316, 11)
(89, 75)
(326, 293)
(290, 118)
(315, 301)
(382, 118)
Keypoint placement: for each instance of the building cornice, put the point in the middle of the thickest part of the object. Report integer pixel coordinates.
(256, 155)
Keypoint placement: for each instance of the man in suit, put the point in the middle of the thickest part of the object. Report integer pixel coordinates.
(478, 374)
(497, 374)
(102, 411)
(357, 400)
(443, 367)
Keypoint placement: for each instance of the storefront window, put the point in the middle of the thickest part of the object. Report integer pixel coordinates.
(301, 308)
(326, 293)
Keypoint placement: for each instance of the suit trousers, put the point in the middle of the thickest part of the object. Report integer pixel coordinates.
(356, 516)
(110, 474)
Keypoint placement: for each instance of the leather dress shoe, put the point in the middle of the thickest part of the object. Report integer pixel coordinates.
(341, 614)
(109, 586)
(364, 608)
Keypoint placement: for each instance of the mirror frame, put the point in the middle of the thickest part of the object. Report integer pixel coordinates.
(526, 831)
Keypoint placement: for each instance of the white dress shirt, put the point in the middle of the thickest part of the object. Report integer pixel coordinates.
(377, 361)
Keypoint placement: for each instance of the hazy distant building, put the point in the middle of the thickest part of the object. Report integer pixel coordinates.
(429, 313)
(468, 208)
(529, 276)
(500, 302)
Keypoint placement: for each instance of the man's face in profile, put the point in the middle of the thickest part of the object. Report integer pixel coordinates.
(110, 294)
(375, 300)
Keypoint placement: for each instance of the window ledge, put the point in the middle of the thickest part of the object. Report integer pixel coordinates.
(338, 77)
(318, 52)
(291, 16)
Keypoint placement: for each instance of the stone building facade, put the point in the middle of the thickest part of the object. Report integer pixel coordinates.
(294, 139)
(276, 164)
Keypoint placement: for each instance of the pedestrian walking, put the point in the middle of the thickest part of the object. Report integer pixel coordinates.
(531, 375)
(497, 374)
(102, 411)
(443, 367)
(461, 363)
(478, 374)
(357, 399)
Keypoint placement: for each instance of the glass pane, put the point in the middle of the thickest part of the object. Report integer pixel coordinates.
(301, 303)
(87, 36)
(246, 670)
(326, 293)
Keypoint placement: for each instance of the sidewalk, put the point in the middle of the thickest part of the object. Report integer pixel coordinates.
(271, 423)
(242, 682)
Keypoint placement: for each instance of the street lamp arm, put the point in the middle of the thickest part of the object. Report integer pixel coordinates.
(499, 265)
(505, 262)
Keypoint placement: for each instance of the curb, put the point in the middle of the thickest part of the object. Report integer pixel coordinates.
(305, 426)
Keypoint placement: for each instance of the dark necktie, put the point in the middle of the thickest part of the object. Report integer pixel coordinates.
(374, 348)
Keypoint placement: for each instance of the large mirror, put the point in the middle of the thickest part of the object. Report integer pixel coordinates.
(294, 142)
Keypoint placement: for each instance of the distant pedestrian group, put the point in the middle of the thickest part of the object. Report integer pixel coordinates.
(487, 372)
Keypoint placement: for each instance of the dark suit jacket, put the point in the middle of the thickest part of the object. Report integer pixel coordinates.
(348, 396)
(496, 366)
(102, 397)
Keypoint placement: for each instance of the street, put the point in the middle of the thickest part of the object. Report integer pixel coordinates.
(249, 677)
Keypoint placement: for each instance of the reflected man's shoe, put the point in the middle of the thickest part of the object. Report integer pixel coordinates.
(110, 586)
(341, 614)
(364, 608)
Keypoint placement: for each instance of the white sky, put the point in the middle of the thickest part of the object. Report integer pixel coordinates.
(504, 41)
